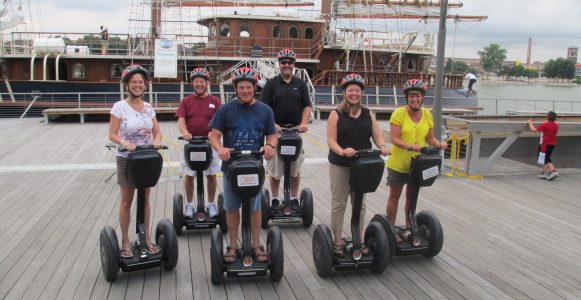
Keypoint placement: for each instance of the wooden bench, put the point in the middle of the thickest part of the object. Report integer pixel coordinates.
(56, 112)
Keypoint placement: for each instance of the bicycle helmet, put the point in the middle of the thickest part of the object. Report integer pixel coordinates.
(414, 85)
(352, 78)
(286, 53)
(245, 73)
(200, 72)
(132, 69)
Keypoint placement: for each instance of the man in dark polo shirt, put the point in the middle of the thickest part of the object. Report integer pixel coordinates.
(289, 99)
(194, 115)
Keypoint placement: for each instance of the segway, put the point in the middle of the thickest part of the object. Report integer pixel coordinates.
(144, 167)
(289, 148)
(246, 177)
(426, 236)
(198, 156)
(365, 175)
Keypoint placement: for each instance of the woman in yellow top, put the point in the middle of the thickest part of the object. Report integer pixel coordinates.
(411, 129)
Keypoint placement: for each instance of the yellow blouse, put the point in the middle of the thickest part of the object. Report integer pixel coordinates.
(411, 133)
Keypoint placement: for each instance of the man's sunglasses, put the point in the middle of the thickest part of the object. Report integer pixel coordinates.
(286, 62)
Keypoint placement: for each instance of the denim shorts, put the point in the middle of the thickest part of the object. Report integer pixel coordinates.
(233, 202)
(396, 178)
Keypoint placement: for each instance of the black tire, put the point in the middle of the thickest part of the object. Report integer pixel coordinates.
(376, 240)
(178, 212)
(110, 256)
(222, 210)
(265, 207)
(323, 250)
(307, 206)
(430, 227)
(389, 230)
(217, 256)
(166, 238)
(276, 253)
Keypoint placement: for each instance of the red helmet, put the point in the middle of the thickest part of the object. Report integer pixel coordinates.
(245, 73)
(286, 53)
(352, 79)
(132, 69)
(414, 85)
(200, 72)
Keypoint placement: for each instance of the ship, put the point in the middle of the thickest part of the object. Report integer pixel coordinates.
(331, 39)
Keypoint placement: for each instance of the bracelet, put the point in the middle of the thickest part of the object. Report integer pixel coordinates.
(122, 141)
(271, 146)
(410, 148)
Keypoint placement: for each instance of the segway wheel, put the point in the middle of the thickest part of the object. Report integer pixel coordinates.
(265, 207)
(431, 228)
(216, 256)
(376, 240)
(389, 230)
(166, 237)
(222, 210)
(110, 256)
(307, 206)
(276, 253)
(323, 250)
(178, 215)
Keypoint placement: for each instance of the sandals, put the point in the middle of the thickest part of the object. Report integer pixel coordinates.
(126, 253)
(153, 250)
(259, 253)
(231, 254)
(339, 250)
(364, 249)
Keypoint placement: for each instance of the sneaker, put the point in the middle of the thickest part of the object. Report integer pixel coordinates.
(295, 204)
(189, 211)
(542, 176)
(553, 175)
(275, 204)
(212, 210)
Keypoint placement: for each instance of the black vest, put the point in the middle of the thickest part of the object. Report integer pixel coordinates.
(352, 133)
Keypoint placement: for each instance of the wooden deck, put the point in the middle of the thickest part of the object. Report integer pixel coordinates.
(509, 235)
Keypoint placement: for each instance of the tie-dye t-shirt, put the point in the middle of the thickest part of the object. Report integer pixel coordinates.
(244, 127)
(135, 127)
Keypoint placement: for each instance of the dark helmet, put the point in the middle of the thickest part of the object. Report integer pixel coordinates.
(286, 53)
(132, 69)
(245, 73)
(352, 78)
(200, 72)
(414, 85)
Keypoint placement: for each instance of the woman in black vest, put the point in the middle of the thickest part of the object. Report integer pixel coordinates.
(349, 128)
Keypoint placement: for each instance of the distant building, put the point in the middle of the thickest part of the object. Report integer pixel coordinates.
(577, 70)
(572, 54)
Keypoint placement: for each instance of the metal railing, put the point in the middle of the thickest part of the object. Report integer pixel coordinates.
(501, 106)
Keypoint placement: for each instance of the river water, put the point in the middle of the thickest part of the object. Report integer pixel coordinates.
(498, 99)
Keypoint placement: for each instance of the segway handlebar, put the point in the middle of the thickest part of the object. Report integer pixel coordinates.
(366, 151)
(194, 138)
(289, 128)
(430, 150)
(245, 152)
(144, 147)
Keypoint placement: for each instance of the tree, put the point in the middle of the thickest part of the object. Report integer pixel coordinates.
(458, 67)
(491, 58)
(560, 68)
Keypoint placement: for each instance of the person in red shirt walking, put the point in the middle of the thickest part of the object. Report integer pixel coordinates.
(548, 130)
(194, 115)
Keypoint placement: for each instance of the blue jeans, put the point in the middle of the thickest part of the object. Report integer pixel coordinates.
(232, 202)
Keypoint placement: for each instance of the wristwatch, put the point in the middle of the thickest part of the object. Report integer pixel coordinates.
(410, 148)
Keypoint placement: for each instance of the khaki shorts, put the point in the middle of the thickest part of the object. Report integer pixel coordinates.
(122, 171)
(275, 166)
(212, 170)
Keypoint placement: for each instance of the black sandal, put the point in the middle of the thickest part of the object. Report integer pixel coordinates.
(231, 256)
(338, 250)
(260, 254)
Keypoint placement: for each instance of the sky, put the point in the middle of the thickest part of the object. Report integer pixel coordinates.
(553, 25)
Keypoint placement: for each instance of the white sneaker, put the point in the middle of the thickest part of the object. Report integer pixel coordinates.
(212, 210)
(189, 211)
(542, 176)
(553, 175)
